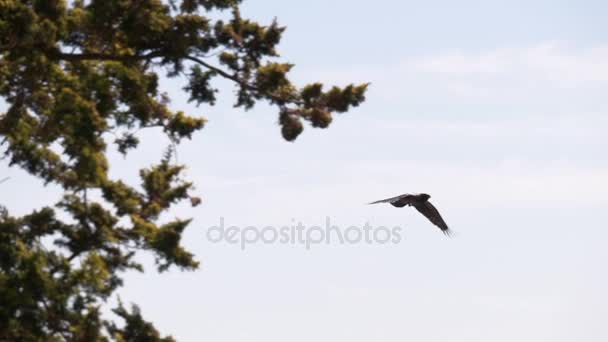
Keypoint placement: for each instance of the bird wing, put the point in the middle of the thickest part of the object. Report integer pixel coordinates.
(431, 213)
(398, 201)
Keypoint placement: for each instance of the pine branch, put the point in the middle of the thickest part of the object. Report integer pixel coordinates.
(155, 54)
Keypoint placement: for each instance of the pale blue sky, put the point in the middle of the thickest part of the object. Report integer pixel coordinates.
(496, 108)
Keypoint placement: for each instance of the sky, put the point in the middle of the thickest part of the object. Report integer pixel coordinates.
(496, 108)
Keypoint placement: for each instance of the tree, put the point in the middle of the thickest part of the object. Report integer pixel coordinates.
(80, 77)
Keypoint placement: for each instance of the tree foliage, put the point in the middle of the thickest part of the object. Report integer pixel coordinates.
(82, 77)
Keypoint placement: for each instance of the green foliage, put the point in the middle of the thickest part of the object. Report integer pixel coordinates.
(80, 77)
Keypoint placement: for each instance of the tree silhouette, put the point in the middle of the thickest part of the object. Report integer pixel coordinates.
(81, 77)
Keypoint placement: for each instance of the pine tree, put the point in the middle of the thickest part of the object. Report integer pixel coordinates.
(82, 77)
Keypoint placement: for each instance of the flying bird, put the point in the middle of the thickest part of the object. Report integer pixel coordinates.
(422, 204)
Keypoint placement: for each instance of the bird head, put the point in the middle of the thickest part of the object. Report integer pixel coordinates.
(425, 197)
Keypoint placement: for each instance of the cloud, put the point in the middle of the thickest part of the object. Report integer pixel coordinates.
(520, 74)
(548, 61)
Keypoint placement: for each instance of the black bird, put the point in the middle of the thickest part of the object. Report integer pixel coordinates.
(422, 204)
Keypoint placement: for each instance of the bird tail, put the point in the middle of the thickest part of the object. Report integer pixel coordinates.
(449, 233)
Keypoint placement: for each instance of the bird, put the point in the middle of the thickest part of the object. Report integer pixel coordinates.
(422, 204)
